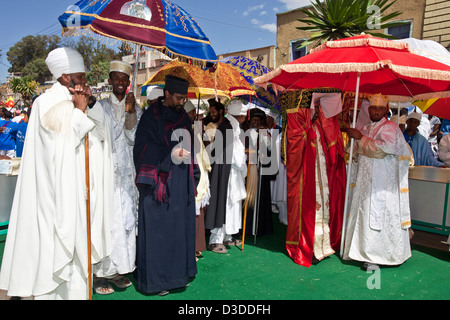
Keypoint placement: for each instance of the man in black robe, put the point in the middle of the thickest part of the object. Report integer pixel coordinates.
(167, 177)
(264, 222)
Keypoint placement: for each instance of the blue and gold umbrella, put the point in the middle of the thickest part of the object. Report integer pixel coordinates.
(250, 69)
(157, 24)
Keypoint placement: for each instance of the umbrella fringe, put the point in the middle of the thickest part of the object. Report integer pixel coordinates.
(411, 72)
(368, 40)
(110, 41)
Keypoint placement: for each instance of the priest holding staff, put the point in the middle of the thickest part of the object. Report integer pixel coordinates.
(46, 250)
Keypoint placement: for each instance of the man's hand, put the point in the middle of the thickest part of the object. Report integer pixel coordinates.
(180, 154)
(130, 102)
(354, 133)
(80, 96)
(2, 129)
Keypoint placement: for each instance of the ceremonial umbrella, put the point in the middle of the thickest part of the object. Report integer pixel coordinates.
(157, 24)
(251, 69)
(433, 50)
(224, 82)
(367, 64)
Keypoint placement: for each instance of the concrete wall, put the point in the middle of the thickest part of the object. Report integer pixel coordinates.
(412, 10)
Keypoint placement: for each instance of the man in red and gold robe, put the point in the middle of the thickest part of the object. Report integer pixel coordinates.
(316, 179)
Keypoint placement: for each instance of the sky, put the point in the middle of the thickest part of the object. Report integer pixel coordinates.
(230, 25)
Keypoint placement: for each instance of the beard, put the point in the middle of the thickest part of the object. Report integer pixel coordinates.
(177, 108)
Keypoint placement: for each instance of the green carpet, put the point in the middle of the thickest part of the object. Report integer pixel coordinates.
(263, 271)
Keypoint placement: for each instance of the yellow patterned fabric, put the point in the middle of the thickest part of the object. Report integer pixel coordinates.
(230, 83)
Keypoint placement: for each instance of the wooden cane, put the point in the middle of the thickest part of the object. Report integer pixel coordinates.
(88, 214)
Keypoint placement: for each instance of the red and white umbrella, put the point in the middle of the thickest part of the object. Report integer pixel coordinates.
(364, 64)
(382, 66)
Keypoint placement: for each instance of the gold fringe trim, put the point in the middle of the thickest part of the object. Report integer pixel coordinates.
(404, 190)
(89, 30)
(404, 158)
(142, 26)
(367, 41)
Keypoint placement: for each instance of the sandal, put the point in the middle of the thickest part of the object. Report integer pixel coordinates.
(217, 248)
(120, 282)
(102, 286)
(233, 242)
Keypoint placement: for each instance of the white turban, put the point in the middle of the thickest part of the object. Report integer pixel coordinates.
(189, 106)
(154, 92)
(237, 108)
(65, 61)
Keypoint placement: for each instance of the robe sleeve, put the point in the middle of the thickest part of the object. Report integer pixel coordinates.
(55, 120)
(146, 151)
(444, 148)
(387, 142)
(131, 123)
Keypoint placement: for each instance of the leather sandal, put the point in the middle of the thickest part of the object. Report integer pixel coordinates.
(233, 242)
(101, 286)
(217, 248)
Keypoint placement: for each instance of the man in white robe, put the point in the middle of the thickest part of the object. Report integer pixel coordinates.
(124, 213)
(278, 186)
(46, 251)
(236, 191)
(379, 218)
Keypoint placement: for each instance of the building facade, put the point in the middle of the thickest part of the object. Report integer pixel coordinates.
(424, 19)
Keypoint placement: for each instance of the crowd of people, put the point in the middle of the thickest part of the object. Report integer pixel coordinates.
(13, 129)
(164, 184)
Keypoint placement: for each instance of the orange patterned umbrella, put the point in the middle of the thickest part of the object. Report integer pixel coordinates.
(203, 82)
(230, 80)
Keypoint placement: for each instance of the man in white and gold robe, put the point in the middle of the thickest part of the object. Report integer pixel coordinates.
(377, 227)
(122, 132)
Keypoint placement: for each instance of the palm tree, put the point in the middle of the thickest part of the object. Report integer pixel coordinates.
(25, 87)
(337, 19)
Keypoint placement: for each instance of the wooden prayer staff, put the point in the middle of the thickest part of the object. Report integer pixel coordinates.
(88, 214)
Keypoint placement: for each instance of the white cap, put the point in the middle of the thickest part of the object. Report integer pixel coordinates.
(65, 61)
(154, 92)
(414, 115)
(121, 66)
(189, 106)
(237, 108)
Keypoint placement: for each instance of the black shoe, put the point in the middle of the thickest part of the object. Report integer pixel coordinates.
(368, 266)
(163, 293)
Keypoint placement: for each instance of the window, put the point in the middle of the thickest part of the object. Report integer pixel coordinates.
(297, 53)
(401, 32)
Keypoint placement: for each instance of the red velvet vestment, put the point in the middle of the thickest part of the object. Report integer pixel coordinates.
(301, 198)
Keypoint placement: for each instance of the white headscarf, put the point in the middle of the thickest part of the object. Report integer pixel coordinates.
(237, 108)
(154, 92)
(65, 61)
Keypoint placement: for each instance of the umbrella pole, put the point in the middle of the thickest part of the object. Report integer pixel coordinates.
(349, 167)
(198, 105)
(257, 202)
(88, 214)
(136, 67)
(245, 209)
